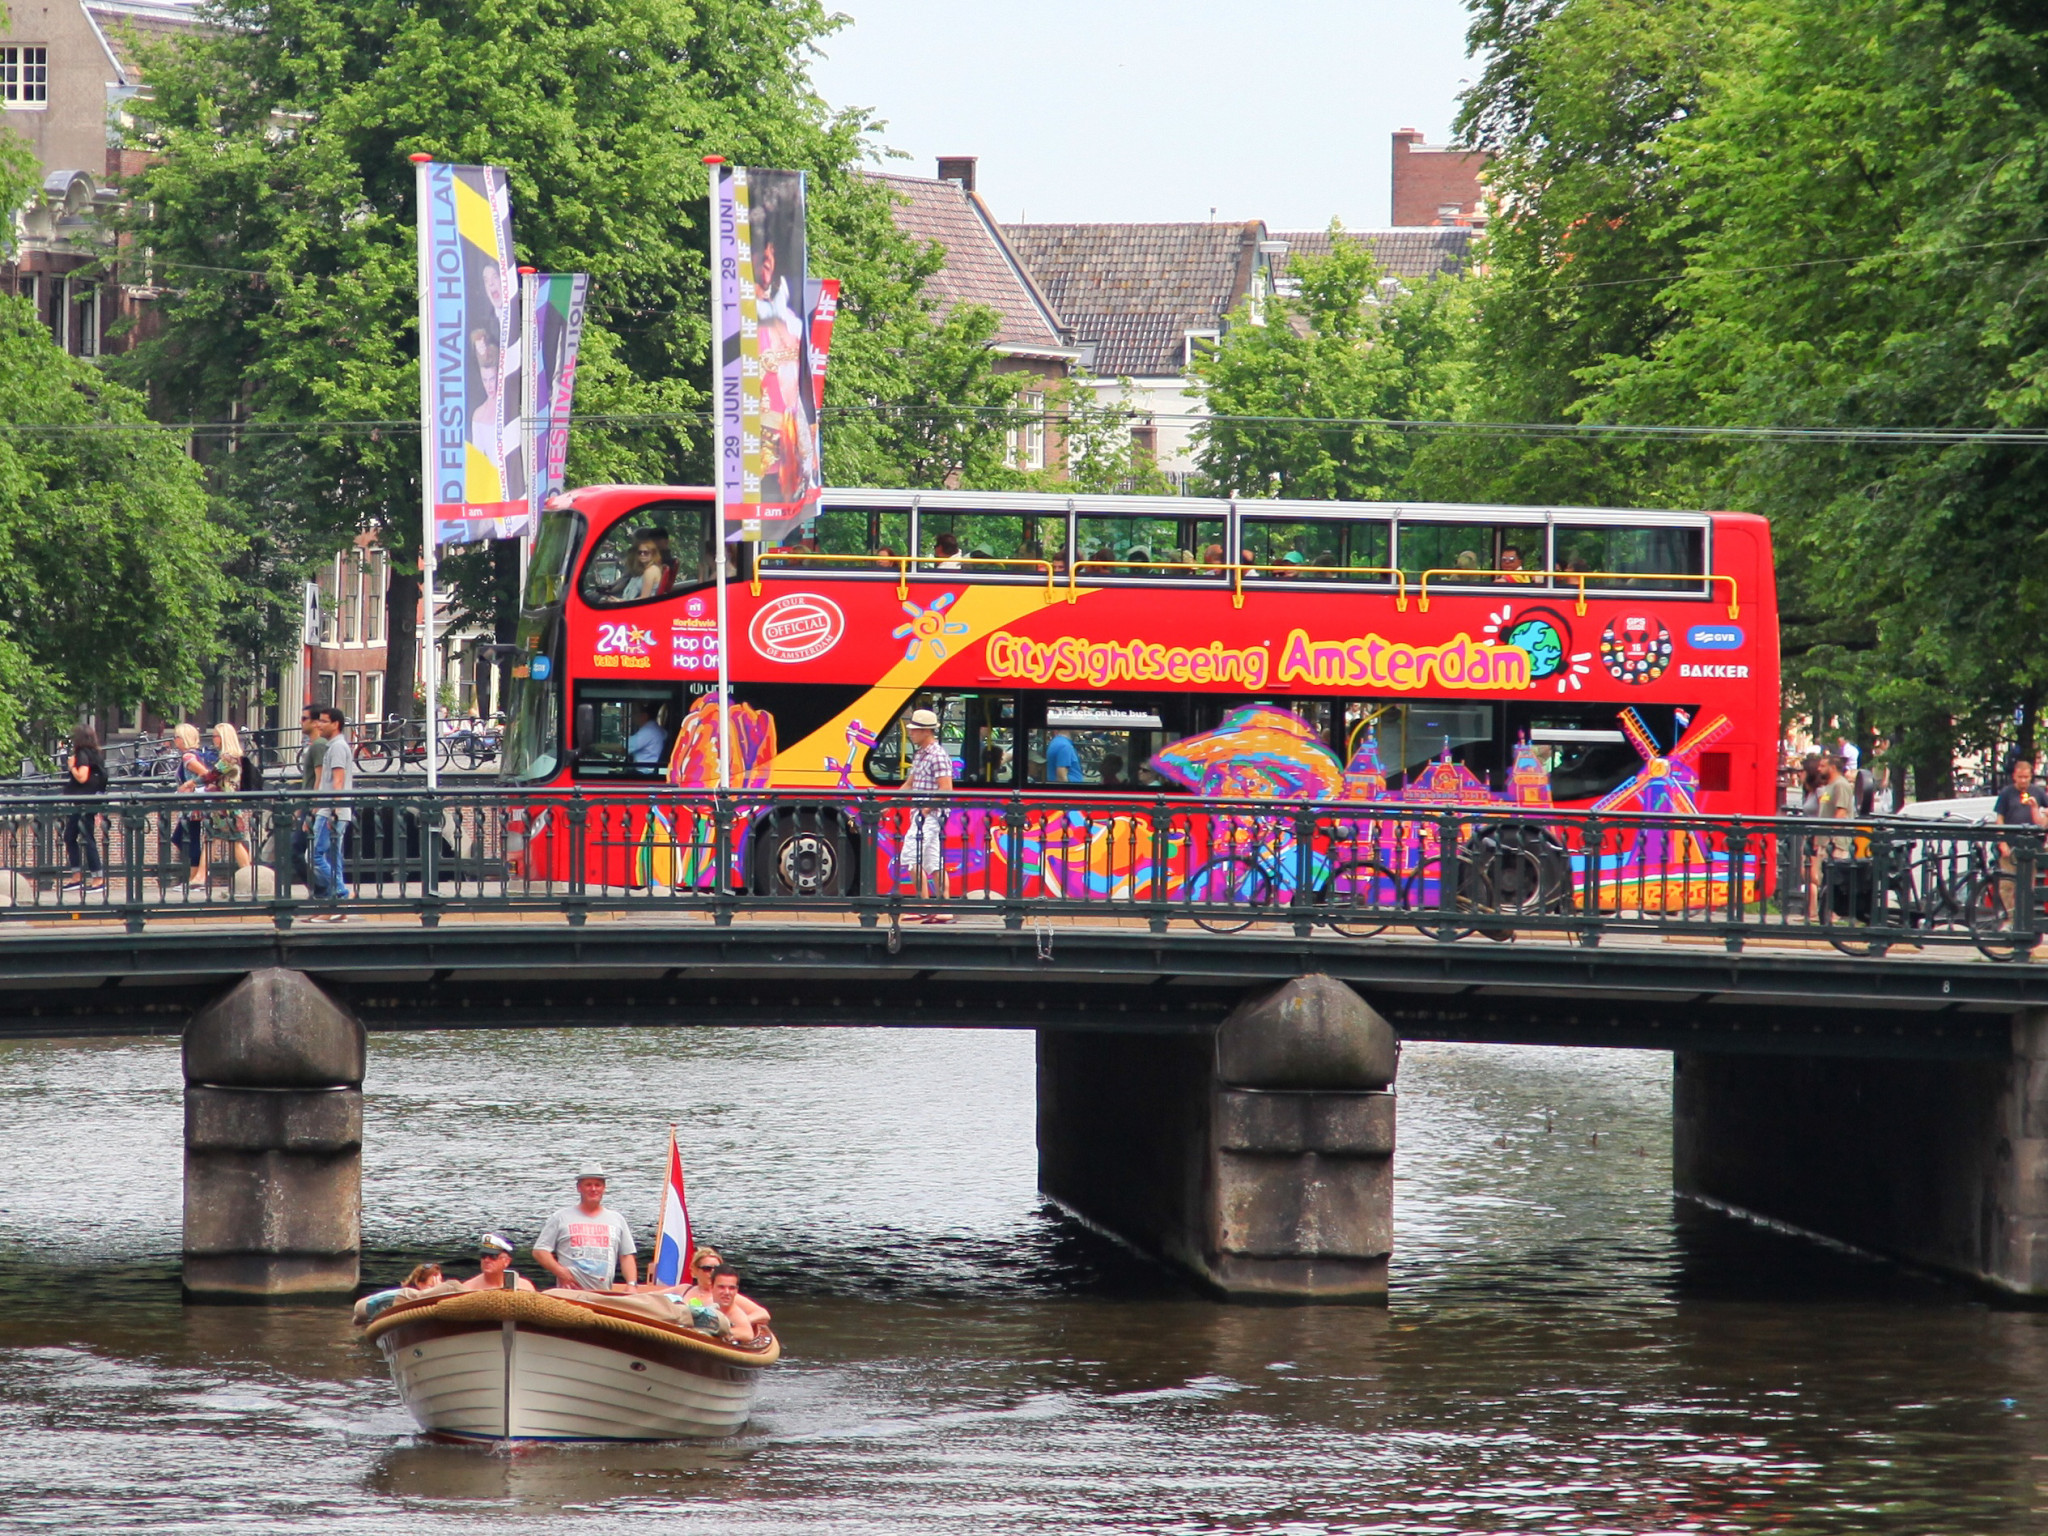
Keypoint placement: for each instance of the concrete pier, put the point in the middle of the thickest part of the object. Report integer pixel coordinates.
(1940, 1163)
(273, 1141)
(1258, 1157)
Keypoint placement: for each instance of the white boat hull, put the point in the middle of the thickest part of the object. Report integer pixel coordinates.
(512, 1379)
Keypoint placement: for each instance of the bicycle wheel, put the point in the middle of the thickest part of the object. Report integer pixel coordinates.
(1359, 895)
(1991, 922)
(472, 756)
(1237, 881)
(1422, 899)
(372, 756)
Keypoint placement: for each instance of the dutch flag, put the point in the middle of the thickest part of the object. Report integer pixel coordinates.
(672, 1245)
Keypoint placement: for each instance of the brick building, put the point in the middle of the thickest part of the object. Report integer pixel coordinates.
(1434, 184)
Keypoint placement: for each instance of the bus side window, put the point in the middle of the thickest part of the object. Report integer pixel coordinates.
(650, 553)
(977, 730)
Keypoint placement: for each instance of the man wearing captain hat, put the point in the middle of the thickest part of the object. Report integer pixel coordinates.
(582, 1245)
(496, 1274)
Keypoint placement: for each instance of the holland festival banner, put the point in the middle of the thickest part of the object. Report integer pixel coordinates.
(767, 406)
(470, 361)
(555, 329)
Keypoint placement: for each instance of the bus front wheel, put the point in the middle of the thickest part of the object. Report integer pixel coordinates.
(803, 853)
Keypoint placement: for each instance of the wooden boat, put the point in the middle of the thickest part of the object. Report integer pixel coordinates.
(565, 1365)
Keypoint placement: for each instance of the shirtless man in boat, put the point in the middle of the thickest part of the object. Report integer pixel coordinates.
(725, 1295)
(581, 1244)
(495, 1259)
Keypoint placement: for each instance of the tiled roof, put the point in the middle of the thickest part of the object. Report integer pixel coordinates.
(1137, 289)
(146, 22)
(980, 268)
(1413, 255)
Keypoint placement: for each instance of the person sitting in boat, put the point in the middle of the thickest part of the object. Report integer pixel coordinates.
(704, 1264)
(725, 1296)
(495, 1263)
(583, 1245)
(424, 1277)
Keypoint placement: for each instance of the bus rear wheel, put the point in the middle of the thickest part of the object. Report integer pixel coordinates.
(803, 853)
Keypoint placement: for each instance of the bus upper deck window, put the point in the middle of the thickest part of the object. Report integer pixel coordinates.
(1494, 553)
(828, 544)
(1317, 549)
(1632, 558)
(650, 553)
(548, 569)
(1148, 547)
(1020, 544)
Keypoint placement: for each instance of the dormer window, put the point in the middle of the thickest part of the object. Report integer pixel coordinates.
(24, 76)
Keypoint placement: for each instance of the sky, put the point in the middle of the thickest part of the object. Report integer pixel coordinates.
(1091, 110)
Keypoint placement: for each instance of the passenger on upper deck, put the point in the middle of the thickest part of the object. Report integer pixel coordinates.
(1213, 556)
(946, 550)
(1511, 565)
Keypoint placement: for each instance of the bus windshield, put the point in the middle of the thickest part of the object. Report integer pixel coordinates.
(533, 727)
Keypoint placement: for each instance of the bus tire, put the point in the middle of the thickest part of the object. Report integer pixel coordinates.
(803, 853)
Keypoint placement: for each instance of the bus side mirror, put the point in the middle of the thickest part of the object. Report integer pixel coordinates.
(586, 727)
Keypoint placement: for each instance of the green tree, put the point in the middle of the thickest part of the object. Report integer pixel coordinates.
(110, 584)
(1301, 404)
(279, 210)
(1865, 241)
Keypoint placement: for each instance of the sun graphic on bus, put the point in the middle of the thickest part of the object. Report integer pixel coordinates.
(929, 626)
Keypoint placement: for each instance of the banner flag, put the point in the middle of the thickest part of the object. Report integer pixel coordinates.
(768, 406)
(823, 309)
(557, 309)
(672, 1244)
(470, 360)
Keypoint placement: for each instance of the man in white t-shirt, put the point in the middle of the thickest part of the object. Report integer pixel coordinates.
(582, 1245)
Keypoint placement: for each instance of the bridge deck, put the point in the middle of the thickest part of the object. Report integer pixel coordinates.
(666, 963)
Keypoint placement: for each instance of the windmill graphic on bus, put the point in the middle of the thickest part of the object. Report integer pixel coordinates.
(1667, 784)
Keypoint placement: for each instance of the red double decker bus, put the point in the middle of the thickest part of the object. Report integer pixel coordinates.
(1109, 647)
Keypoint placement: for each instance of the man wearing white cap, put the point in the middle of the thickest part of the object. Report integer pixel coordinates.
(581, 1245)
(495, 1268)
(924, 840)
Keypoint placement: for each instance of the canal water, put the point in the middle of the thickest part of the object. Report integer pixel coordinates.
(1566, 1350)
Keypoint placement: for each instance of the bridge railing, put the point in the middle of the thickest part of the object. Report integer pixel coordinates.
(1445, 872)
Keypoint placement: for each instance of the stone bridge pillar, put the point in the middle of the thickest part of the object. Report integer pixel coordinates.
(1259, 1156)
(1940, 1163)
(273, 1141)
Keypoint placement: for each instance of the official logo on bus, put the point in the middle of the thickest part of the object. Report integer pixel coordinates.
(1636, 648)
(798, 627)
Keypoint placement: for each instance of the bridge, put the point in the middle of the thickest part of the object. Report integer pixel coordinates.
(1218, 991)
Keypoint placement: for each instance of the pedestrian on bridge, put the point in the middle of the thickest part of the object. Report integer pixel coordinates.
(332, 820)
(924, 840)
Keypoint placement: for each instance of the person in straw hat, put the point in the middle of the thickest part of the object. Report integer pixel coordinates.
(931, 773)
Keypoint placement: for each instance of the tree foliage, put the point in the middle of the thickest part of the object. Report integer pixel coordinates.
(1301, 398)
(1801, 216)
(279, 212)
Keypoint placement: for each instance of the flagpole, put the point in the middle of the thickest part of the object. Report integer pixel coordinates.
(420, 164)
(718, 474)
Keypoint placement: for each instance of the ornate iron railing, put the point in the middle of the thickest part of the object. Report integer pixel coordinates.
(1447, 872)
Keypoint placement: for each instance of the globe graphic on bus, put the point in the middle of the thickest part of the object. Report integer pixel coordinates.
(1543, 643)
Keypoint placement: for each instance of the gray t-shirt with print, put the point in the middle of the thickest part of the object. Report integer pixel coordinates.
(589, 1247)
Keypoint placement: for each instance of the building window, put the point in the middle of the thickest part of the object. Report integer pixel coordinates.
(351, 693)
(351, 599)
(323, 688)
(78, 317)
(326, 583)
(24, 76)
(1199, 345)
(373, 695)
(1027, 441)
(374, 588)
